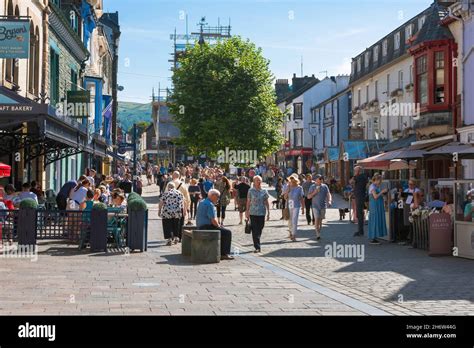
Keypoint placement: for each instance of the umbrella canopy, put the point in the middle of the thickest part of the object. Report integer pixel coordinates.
(398, 164)
(5, 170)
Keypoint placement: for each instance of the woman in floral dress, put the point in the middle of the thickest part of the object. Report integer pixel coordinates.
(171, 209)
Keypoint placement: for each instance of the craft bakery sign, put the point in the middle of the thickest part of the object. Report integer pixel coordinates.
(14, 39)
(15, 108)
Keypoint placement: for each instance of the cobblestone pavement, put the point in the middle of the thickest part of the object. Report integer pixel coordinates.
(397, 279)
(286, 279)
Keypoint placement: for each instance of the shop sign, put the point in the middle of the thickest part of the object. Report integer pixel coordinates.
(14, 39)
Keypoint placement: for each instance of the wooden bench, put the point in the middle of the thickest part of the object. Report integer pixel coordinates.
(204, 246)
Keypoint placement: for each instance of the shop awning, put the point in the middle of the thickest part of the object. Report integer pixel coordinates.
(360, 149)
(50, 134)
(332, 154)
(464, 151)
(5, 170)
(399, 143)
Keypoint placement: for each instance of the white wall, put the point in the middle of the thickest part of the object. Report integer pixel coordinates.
(386, 124)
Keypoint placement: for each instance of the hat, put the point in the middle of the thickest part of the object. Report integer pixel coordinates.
(318, 176)
(109, 179)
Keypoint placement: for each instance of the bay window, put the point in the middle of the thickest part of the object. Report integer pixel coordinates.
(439, 78)
(422, 79)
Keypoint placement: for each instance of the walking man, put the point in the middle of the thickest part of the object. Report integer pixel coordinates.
(320, 199)
(307, 201)
(360, 193)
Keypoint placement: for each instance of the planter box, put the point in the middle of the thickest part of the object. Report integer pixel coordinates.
(98, 238)
(137, 230)
(27, 226)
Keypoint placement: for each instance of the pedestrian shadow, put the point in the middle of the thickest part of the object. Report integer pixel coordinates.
(175, 260)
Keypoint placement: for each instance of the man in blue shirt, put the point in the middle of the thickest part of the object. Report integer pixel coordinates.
(206, 219)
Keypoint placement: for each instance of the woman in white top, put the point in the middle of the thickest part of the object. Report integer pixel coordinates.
(77, 197)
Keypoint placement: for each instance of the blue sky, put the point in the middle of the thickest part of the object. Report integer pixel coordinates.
(326, 33)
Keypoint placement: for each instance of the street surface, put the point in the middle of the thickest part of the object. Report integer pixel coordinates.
(287, 278)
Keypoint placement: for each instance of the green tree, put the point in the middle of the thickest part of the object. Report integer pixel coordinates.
(141, 127)
(224, 97)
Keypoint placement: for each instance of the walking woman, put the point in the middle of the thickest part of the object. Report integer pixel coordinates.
(195, 195)
(172, 210)
(224, 188)
(377, 223)
(295, 201)
(257, 208)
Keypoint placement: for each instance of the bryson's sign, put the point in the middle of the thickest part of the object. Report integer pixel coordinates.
(14, 38)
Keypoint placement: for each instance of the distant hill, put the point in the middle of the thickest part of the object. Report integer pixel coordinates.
(130, 113)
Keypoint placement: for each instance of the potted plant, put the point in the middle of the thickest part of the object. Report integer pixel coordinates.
(374, 103)
(137, 223)
(397, 93)
(409, 87)
(98, 237)
(364, 106)
(27, 222)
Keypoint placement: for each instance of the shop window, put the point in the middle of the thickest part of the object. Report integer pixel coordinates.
(422, 79)
(439, 78)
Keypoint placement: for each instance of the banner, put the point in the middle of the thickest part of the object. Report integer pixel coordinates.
(107, 114)
(14, 39)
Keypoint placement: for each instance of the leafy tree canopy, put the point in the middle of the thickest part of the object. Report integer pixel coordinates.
(224, 98)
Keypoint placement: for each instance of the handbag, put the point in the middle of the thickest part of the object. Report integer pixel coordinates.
(286, 213)
(248, 227)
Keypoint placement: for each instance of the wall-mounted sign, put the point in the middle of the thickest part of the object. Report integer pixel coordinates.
(313, 129)
(78, 104)
(14, 38)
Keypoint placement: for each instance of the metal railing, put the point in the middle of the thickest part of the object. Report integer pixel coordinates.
(420, 238)
(55, 224)
(9, 224)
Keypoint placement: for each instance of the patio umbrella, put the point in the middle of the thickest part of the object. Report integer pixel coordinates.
(398, 164)
(5, 170)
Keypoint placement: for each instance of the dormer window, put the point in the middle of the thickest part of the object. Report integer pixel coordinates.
(408, 31)
(376, 53)
(367, 59)
(396, 41)
(421, 22)
(384, 47)
(359, 64)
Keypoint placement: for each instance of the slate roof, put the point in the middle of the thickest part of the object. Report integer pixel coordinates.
(431, 30)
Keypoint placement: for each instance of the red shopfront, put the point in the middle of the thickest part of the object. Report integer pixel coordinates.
(300, 160)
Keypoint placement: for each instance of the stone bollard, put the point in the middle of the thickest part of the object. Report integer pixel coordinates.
(206, 246)
(186, 240)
